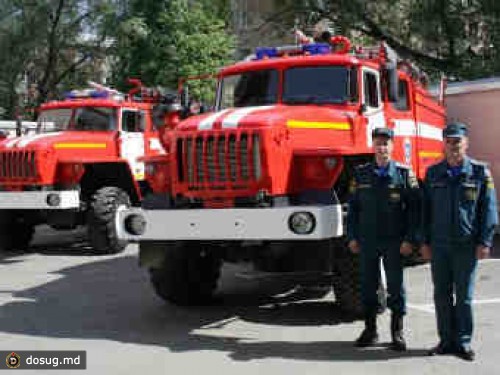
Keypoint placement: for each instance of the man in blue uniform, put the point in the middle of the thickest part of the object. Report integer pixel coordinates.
(460, 215)
(381, 223)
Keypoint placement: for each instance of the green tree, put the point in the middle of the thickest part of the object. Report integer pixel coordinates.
(458, 37)
(49, 46)
(162, 41)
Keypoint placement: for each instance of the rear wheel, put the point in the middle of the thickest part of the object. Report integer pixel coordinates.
(346, 282)
(188, 274)
(101, 219)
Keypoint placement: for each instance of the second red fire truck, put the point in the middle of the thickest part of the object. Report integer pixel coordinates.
(78, 167)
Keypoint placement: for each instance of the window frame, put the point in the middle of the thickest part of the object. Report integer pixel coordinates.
(396, 105)
(140, 117)
(376, 75)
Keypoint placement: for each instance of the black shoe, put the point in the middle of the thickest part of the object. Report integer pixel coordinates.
(398, 345)
(440, 349)
(398, 340)
(367, 338)
(466, 354)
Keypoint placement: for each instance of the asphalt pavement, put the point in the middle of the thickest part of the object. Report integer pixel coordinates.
(60, 296)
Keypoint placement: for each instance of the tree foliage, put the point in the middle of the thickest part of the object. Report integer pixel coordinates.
(47, 46)
(168, 40)
(458, 37)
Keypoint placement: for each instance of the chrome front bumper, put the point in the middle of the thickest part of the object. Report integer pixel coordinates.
(229, 224)
(39, 200)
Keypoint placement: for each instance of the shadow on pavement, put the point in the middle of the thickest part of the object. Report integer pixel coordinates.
(495, 252)
(111, 299)
(48, 241)
(5, 258)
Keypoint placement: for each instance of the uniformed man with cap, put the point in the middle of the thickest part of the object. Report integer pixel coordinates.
(460, 215)
(382, 222)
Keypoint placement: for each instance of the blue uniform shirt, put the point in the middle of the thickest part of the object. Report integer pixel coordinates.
(383, 204)
(460, 204)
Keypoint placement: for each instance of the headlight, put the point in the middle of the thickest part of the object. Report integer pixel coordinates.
(302, 222)
(135, 224)
(53, 200)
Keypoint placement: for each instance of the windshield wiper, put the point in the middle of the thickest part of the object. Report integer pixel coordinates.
(313, 100)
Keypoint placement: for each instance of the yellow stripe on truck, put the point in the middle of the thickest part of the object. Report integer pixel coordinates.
(79, 145)
(318, 125)
(430, 154)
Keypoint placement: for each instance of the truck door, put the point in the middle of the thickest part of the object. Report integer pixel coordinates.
(401, 118)
(132, 140)
(372, 101)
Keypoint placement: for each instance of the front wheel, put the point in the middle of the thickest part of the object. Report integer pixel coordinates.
(101, 219)
(16, 232)
(188, 274)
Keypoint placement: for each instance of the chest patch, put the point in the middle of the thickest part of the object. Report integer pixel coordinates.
(470, 193)
(395, 196)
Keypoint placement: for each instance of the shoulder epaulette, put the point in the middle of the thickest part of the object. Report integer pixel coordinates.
(479, 163)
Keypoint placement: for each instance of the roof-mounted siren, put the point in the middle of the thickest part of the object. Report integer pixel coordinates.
(105, 90)
(390, 71)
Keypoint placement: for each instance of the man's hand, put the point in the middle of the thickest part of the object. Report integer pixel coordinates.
(406, 248)
(482, 252)
(354, 246)
(426, 252)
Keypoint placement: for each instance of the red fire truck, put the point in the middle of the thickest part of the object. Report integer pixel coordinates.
(79, 166)
(264, 178)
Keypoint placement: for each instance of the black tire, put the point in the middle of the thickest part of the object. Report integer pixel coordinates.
(346, 282)
(101, 219)
(188, 275)
(16, 233)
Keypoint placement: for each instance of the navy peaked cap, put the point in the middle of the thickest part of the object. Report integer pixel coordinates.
(383, 132)
(455, 130)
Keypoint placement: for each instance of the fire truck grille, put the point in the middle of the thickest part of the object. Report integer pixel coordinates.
(18, 165)
(211, 160)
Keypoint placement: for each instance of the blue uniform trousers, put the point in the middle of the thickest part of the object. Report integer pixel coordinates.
(370, 254)
(453, 273)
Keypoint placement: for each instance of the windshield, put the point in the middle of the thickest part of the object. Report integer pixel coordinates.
(316, 84)
(258, 87)
(81, 118)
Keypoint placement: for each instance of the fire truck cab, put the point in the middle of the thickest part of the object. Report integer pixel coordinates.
(265, 177)
(82, 162)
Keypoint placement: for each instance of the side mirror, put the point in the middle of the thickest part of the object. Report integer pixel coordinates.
(362, 108)
(19, 127)
(184, 94)
(162, 112)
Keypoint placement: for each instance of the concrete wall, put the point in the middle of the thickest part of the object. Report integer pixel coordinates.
(481, 111)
